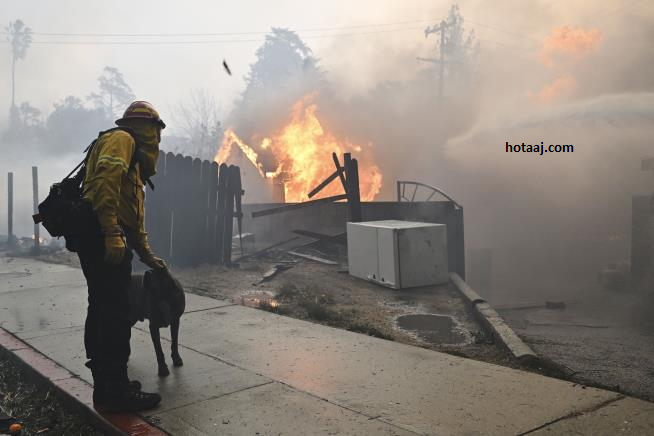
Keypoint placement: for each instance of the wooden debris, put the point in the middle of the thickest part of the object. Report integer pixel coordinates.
(314, 258)
(340, 238)
(296, 206)
(263, 250)
(272, 272)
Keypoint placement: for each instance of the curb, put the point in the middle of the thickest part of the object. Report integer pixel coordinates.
(71, 390)
(493, 322)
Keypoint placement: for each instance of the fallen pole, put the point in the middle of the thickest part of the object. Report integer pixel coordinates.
(493, 322)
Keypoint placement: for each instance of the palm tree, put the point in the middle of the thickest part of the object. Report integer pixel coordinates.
(20, 38)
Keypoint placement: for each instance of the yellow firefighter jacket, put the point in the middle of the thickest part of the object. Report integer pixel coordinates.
(115, 189)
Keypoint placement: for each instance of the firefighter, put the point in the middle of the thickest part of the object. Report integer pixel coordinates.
(119, 163)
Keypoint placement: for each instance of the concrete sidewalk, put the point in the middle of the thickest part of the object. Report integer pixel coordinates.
(252, 372)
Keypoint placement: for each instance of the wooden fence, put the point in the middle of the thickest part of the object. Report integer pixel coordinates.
(182, 218)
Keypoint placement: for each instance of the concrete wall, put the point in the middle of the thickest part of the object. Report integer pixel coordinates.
(331, 218)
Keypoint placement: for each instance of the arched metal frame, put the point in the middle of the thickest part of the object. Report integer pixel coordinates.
(401, 191)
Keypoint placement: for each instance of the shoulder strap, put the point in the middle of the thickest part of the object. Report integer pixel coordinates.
(82, 165)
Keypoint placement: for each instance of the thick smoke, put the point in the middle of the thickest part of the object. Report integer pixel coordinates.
(557, 215)
(554, 219)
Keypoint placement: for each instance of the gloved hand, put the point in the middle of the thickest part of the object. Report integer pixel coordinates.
(153, 261)
(114, 249)
(140, 244)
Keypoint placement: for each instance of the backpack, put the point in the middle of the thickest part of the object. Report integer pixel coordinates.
(65, 212)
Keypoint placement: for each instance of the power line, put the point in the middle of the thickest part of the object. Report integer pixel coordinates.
(213, 34)
(148, 35)
(627, 5)
(235, 41)
(465, 20)
(217, 41)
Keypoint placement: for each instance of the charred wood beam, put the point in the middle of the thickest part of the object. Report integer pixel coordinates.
(327, 181)
(340, 170)
(353, 193)
(298, 205)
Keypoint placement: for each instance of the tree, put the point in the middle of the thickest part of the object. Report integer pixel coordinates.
(282, 58)
(72, 126)
(113, 91)
(19, 37)
(30, 116)
(26, 129)
(199, 123)
(285, 71)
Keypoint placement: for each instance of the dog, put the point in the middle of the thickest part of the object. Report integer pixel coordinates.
(158, 297)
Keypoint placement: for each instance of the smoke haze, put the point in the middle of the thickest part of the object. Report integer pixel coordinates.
(553, 71)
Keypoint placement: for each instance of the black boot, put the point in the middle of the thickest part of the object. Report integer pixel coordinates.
(122, 397)
(97, 377)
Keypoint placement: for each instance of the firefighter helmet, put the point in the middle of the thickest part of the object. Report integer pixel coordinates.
(143, 110)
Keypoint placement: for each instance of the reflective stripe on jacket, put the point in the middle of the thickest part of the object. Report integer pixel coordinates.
(114, 188)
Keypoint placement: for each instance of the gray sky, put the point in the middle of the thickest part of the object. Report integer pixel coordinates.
(164, 74)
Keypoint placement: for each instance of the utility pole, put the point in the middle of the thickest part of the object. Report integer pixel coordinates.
(441, 61)
(13, 83)
(10, 209)
(35, 192)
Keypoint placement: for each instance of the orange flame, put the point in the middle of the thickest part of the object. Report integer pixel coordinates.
(562, 86)
(231, 138)
(303, 152)
(572, 42)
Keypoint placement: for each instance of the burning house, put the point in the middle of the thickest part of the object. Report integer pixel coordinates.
(295, 158)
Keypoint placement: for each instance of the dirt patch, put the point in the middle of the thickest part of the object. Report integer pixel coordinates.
(37, 409)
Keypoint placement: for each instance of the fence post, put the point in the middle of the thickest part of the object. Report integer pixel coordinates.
(223, 174)
(213, 213)
(35, 193)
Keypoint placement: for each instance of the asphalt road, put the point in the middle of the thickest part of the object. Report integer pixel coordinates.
(605, 338)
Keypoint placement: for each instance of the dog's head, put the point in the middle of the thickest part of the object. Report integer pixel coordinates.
(168, 300)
